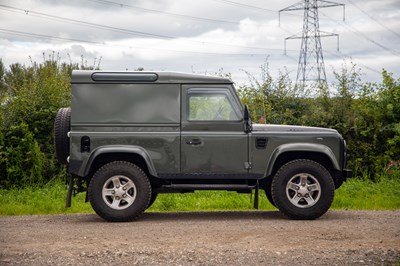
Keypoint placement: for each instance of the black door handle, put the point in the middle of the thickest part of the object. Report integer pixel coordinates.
(194, 142)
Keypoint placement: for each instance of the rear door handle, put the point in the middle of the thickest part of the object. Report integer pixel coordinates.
(194, 142)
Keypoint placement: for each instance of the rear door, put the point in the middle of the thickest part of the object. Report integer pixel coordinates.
(213, 141)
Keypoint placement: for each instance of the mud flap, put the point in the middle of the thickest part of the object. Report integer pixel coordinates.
(70, 191)
(256, 196)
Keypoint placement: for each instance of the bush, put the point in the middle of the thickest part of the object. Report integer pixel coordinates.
(366, 114)
(30, 97)
(21, 161)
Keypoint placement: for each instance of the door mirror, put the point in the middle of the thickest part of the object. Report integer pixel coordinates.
(247, 120)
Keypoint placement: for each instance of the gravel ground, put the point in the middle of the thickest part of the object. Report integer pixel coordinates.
(203, 238)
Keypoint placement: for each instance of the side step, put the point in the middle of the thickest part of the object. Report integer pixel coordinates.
(183, 188)
(208, 187)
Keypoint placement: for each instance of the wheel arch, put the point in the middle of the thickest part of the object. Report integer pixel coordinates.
(293, 151)
(134, 154)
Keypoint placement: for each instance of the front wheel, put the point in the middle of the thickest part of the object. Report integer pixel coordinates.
(268, 192)
(303, 189)
(152, 199)
(119, 192)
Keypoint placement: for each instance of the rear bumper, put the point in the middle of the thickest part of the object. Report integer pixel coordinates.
(347, 173)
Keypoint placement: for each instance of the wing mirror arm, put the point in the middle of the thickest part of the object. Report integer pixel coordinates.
(247, 120)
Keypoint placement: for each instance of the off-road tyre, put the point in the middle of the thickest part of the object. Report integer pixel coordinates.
(152, 199)
(285, 192)
(62, 125)
(268, 192)
(101, 185)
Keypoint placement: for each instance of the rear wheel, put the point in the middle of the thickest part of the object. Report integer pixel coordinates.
(119, 192)
(303, 189)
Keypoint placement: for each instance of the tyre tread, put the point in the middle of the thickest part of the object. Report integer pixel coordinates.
(305, 214)
(120, 165)
(62, 125)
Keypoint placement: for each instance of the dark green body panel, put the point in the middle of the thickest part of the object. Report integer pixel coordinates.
(120, 115)
(280, 142)
(211, 155)
(161, 144)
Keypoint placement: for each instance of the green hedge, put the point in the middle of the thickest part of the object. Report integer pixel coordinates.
(366, 114)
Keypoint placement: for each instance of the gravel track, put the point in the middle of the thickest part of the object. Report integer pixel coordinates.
(203, 238)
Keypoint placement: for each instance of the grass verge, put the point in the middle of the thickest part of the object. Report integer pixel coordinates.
(355, 194)
(363, 194)
(40, 200)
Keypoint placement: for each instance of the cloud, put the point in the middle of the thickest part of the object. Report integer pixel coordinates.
(242, 39)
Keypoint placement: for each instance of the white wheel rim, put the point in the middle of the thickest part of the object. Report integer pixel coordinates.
(119, 192)
(303, 190)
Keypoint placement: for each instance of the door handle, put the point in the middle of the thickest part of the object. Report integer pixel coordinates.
(194, 142)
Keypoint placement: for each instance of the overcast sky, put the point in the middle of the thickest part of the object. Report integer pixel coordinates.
(198, 35)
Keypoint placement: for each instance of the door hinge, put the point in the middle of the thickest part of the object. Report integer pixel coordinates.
(247, 165)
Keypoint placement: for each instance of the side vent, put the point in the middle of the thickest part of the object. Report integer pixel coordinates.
(261, 143)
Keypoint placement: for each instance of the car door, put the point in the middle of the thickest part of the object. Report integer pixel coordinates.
(213, 141)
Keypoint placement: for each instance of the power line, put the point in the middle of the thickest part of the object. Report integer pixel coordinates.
(80, 22)
(122, 5)
(252, 7)
(372, 18)
(311, 69)
(148, 10)
(116, 29)
(106, 2)
(345, 56)
(359, 33)
(47, 37)
(112, 3)
(362, 35)
(146, 34)
(300, 6)
(342, 56)
(246, 6)
(51, 37)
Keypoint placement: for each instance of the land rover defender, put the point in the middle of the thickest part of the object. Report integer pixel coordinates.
(129, 136)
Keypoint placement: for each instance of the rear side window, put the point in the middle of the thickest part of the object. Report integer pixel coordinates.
(125, 103)
(211, 105)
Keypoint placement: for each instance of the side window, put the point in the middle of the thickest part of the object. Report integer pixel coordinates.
(210, 105)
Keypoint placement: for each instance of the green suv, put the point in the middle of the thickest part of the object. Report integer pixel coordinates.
(129, 136)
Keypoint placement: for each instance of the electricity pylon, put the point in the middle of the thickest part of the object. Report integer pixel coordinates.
(311, 70)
